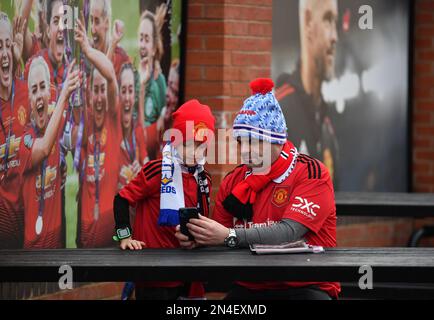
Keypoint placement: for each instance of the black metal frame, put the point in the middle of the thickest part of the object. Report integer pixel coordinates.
(426, 231)
(379, 204)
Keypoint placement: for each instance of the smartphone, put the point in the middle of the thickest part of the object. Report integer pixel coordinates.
(185, 214)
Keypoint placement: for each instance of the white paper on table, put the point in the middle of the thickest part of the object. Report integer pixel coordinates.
(291, 247)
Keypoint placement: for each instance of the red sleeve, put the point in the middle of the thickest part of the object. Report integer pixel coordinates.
(146, 183)
(35, 46)
(25, 153)
(220, 214)
(311, 202)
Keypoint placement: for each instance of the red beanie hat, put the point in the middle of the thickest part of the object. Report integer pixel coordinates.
(200, 117)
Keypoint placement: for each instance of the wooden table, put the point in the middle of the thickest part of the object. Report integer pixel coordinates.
(417, 205)
(410, 265)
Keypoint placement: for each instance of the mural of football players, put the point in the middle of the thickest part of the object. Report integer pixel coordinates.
(102, 140)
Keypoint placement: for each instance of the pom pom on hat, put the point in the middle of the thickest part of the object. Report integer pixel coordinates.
(261, 116)
(261, 85)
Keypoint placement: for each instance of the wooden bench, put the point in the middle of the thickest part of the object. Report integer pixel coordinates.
(378, 204)
(403, 205)
(397, 265)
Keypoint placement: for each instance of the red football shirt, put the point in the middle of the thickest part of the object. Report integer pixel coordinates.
(126, 173)
(14, 118)
(143, 193)
(98, 232)
(306, 196)
(50, 235)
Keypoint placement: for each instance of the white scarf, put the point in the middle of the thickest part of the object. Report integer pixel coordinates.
(172, 190)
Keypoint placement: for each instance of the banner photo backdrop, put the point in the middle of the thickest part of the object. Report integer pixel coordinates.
(341, 73)
(87, 89)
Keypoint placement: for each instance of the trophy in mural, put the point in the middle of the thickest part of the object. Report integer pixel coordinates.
(72, 10)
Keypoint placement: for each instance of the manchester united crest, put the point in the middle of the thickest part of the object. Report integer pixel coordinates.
(200, 131)
(22, 116)
(103, 136)
(280, 196)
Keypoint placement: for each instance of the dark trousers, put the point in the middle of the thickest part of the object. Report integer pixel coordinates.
(306, 293)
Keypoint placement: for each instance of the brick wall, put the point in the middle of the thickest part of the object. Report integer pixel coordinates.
(228, 44)
(423, 100)
(423, 103)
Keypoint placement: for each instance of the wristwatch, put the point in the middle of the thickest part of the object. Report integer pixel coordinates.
(232, 240)
(122, 233)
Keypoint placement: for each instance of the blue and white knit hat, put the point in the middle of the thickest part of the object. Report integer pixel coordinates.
(261, 116)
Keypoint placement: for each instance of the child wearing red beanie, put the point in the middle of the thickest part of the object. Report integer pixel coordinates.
(159, 190)
(193, 112)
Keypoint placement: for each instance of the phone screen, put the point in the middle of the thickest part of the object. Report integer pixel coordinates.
(185, 214)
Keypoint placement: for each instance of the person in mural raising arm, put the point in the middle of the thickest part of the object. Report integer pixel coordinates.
(40, 156)
(14, 116)
(152, 96)
(103, 38)
(54, 54)
(172, 96)
(38, 39)
(99, 164)
(133, 147)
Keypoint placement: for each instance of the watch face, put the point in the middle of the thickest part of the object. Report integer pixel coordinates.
(232, 242)
(123, 233)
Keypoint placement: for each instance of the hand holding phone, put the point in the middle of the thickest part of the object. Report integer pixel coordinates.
(185, 214)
